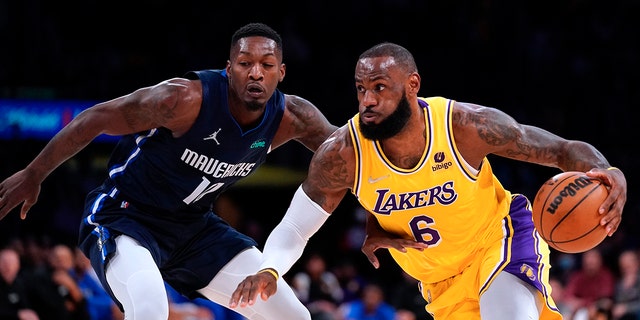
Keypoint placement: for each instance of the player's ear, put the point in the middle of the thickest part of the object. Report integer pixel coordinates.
(414, 83)
(228, 68)
(283, 69)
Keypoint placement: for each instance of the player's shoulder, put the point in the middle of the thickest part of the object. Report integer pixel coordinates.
(181, 81)
(183, 88)
(296, 104)
(302, 112)
(339, 142)
(434, 99)
(438, 104)
(206, 74)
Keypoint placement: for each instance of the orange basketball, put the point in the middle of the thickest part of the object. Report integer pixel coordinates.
(565, 212)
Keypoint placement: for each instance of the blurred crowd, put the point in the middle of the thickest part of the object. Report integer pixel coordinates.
(42, 279)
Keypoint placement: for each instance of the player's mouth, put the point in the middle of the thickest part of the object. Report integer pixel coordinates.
(255, 90)
(368, 116)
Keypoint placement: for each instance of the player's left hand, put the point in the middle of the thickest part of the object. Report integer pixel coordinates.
(261, 283)
(612, 206)
(387, 241)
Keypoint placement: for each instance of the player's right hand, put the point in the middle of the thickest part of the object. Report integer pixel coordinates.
(613, 205)
(261, 283)
(373, 243)
(21, 187)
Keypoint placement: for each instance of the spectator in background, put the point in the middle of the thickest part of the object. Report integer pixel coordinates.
(350, 279)
(371, 306)
(600, 310)
(317, 287)
(589, 285)
(558, 295)
(563, 264)
(62, 263)
(44, 293)
(405, 296)
(181, 307)
(405, 315)
(99, 303)
(14, 303)
(626, 302)
(35, 251)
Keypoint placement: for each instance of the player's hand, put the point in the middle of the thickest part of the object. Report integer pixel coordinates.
(373, 243)
(264, 284)
(18, 188)
(612, 206)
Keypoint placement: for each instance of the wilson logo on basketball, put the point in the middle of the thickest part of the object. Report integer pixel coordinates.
(569, 191)
(565, 211)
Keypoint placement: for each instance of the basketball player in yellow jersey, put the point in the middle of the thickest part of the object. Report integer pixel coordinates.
(420, 167)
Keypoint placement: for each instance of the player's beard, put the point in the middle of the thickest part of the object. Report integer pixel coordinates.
(390, 126)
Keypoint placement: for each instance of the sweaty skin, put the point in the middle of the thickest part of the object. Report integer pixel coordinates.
(381, 82)
(174, 104)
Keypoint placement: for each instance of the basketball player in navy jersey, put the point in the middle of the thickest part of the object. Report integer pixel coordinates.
(419, 166)
(184, 141)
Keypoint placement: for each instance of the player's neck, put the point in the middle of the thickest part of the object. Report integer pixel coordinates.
(245, 116)
(406, 148)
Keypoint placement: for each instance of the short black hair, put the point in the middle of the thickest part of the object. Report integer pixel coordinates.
(256, 29)
(388, 49)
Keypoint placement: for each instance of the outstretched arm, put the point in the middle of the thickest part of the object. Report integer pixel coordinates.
(167, 104)
(330, 175)
(480, 131)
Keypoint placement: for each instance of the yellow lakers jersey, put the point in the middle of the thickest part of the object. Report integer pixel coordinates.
(442, 201)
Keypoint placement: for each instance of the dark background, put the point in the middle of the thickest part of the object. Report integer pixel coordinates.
(570, 67)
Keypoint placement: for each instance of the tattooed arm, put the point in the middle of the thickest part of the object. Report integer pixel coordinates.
(173, 104)
(480, 131)
(331, 171)
(303, 122)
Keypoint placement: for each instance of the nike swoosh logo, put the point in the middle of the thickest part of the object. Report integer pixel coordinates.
(372, 180)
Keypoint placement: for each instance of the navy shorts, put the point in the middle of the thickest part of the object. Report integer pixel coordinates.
(188, 248)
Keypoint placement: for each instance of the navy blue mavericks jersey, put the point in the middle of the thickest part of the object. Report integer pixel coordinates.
(153, 169)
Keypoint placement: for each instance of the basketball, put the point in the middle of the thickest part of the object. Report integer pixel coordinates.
(565, 212)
